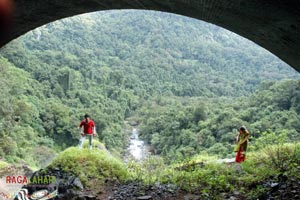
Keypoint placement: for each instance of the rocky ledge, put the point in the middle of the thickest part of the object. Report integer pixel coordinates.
(140, 191)
(58, 185)
(53, 184)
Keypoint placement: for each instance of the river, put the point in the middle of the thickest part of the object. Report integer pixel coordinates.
(137, 149)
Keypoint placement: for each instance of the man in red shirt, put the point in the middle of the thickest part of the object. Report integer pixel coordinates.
(87, 128)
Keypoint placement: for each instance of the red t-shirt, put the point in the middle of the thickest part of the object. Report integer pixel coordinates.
(87, 126)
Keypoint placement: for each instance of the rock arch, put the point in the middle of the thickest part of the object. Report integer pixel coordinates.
(273, 24)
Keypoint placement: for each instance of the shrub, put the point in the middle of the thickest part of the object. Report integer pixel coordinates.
(96, 165)
(3, 164)
(148, 171)
(8, 146)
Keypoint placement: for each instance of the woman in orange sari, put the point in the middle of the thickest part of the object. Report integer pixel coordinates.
(241, 144)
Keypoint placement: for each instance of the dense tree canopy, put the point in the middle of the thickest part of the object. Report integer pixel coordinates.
(178, 128)
(190, 85)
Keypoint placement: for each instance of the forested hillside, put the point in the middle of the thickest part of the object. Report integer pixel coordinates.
(147, 52)
(188, 83)
(180, 128)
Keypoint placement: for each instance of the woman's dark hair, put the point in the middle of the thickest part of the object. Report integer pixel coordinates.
(243, 128)
(86, 116)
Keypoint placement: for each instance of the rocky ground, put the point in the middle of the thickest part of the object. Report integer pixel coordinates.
(139, 191)
(69, 187)
(280, 188)
(6, 190)
(276, 188)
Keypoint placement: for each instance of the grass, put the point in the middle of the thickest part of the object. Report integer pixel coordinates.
(95, 143)
(3, 167)
(3, 164)
(210, 180)
(96, 165)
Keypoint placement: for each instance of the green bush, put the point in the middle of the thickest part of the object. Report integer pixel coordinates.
(148, 171)
(269, 164)
(3, 164)
(274, 152)
(95, 143)
(8, 146)
(96, 165)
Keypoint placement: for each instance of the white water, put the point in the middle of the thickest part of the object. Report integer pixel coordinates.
(137, 149)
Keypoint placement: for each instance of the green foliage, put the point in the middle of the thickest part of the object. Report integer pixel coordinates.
(3, 164)
(149, 170)
(203, 174)
(169, 124)
(270, 164)
(165, 70)
(210, 178)
(276, 152)
(8, 146)
(270, 138)
(91, 165)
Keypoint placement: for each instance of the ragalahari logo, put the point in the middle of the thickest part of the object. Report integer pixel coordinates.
(40, 180)
(14, 183)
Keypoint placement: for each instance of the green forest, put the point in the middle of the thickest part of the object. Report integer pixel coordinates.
(189, 85)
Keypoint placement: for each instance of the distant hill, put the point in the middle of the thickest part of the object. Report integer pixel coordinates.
(149, 52)
(118, 64)
(186, 84)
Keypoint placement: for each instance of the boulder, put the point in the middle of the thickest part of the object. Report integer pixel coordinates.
(53, 183)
